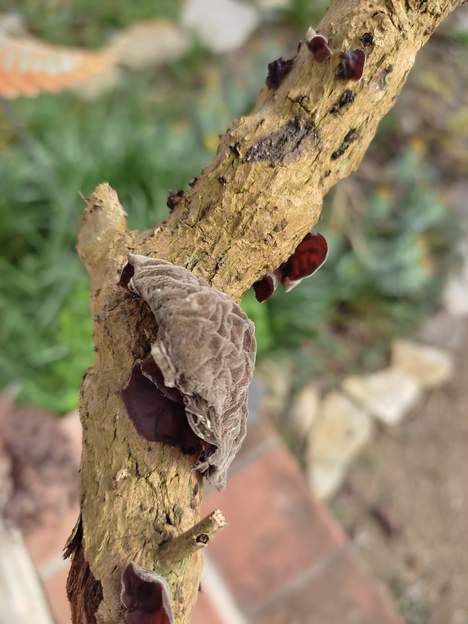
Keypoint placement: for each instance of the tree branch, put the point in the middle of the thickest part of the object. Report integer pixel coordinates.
(187, 544)
(246, 213)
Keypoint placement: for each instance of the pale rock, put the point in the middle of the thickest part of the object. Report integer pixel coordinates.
(95, 86)
(429, 366)
(223, 25)
(273, 5)
(305, 410)
(276, 376)
(455, 296)
(340, 431)
(149, 43)
(388, 395)
(325, 479)
(444, 330)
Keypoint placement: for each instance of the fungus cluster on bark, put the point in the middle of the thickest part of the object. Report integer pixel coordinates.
(191, 390)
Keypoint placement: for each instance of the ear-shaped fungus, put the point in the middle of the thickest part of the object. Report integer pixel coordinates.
(145, 597)
(351, 65)
(318, 46)
(308, 256)
(156, 411)
(265, 287)
(203, 355)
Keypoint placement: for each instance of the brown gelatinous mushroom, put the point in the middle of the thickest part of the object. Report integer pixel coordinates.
(265, 287)
(307, 258)
(318, 46)
(156, 411)
(145, 597)
(351, 65)
(205, 350)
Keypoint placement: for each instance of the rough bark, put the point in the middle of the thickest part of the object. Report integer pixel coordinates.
(246, 213)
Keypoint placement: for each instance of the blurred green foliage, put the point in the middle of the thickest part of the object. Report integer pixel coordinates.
(86, 22)
(388, 256)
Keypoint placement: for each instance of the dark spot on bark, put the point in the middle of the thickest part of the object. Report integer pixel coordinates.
(234, 147)
(174, 199)
(351, 65)
(327, 173)
(277, 71)
(279, 227)
(347, 97)
(84, 592)
(126, 275)
(203, 538)
(284, 143)
(222, 180)
(367, 39)
(193, 181)
(157, 411)
(350, 137)
(382, 80)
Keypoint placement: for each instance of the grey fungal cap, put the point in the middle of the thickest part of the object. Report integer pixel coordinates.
(205, 347)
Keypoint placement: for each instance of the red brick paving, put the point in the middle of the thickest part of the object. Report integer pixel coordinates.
(339, 592)
(55, 588)
(276, 529)
(204, 612)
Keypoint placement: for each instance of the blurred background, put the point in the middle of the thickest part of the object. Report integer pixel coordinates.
(359, 433)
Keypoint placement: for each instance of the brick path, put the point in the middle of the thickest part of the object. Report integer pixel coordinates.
(282, 560)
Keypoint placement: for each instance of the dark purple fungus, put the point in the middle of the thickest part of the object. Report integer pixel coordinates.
(145, 597)
(351, 65)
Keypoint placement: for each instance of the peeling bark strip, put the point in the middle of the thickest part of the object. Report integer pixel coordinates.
(134, 492)
(83, 591)
(283, 144)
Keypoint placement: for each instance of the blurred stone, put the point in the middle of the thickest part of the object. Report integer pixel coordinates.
(12, 24)
(456, 292)
(340, 430)
(92, 88)
(273, 5)
(149, 43)
(255, 397)
(276, 376)
(443, 330)
(388, 395)
(428, 365)
(304, 410)
(223, 25)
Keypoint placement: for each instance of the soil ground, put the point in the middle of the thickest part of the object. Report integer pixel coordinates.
(405, 505)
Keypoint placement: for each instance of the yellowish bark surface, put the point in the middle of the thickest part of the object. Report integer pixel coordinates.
(244, 216)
